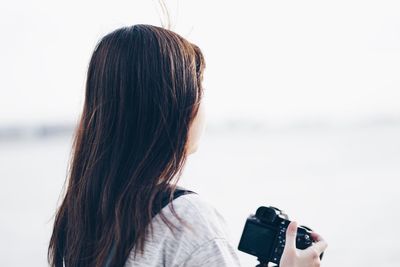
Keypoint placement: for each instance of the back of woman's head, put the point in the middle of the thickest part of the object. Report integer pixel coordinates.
(143, 90)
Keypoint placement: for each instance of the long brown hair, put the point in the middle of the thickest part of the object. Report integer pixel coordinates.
(143, 90)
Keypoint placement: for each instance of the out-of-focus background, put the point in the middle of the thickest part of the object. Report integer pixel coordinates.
(302, 105)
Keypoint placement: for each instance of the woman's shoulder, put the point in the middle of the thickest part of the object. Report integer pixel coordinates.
(202, 235)
(195, 205)
(199, 214)
(198, 237)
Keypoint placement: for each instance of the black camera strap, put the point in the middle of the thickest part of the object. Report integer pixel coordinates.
(165, 199)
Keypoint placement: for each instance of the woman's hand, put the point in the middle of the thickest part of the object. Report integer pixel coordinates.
(309, 257)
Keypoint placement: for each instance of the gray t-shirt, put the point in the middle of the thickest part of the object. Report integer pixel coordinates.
(207, 243)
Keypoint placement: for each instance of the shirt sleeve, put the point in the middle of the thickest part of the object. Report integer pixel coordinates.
(217, 252)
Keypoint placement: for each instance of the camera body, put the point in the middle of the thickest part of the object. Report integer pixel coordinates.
(264, 235)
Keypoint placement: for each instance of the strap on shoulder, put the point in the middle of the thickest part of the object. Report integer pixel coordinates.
(179, 191)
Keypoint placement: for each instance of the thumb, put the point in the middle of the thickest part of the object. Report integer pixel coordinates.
(291, 233)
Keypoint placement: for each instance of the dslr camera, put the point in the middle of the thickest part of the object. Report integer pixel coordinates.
(264, 235)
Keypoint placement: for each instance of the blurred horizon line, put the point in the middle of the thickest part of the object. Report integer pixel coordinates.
(19, 131)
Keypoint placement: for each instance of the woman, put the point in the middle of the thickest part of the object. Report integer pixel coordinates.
(142, 117)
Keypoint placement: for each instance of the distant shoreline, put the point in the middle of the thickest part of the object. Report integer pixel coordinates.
(42, 131)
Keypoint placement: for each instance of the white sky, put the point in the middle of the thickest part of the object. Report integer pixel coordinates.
(273, 60)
